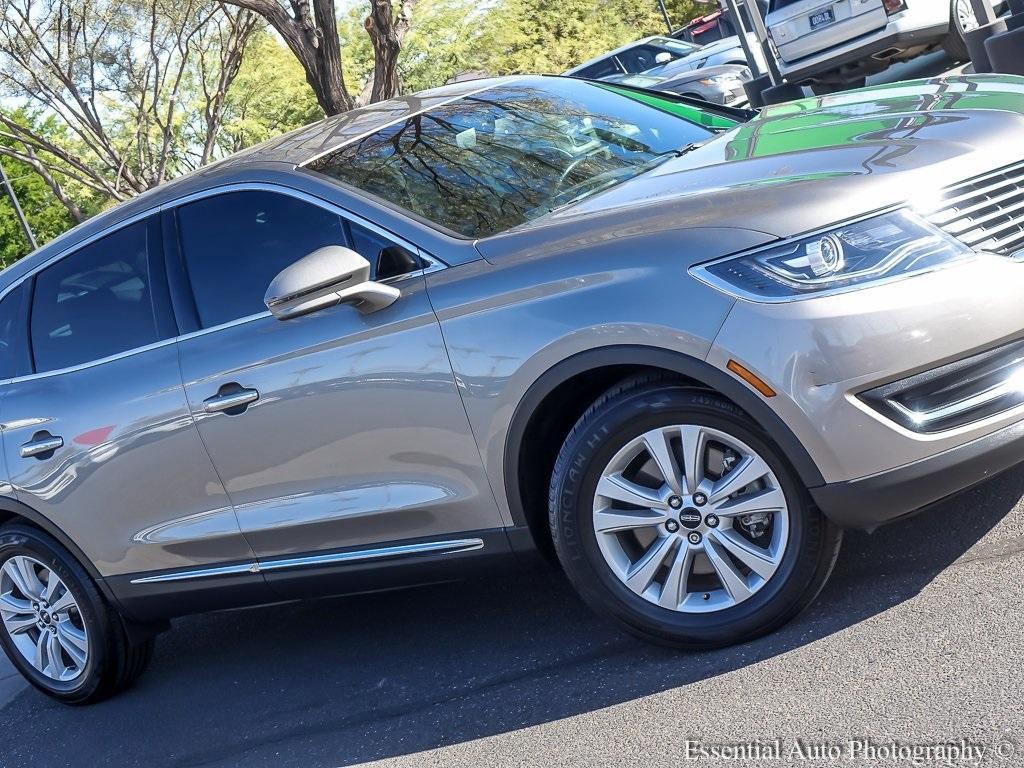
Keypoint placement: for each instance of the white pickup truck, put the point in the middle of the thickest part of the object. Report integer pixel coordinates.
(832, 44)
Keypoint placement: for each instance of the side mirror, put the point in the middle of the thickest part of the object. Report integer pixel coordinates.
(328, 276)
(663, 58)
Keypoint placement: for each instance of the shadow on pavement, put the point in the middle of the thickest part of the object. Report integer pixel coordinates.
(341, 681)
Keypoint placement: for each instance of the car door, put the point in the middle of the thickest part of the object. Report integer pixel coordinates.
(97, 434)
(354, 433)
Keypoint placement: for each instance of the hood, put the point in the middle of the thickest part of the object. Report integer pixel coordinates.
(811, 163)
(665, 77)
(676, 74)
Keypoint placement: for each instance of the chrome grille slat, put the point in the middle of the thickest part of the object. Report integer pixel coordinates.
(970, 190)
(1011, 183)
(985, 213)
(964, 223)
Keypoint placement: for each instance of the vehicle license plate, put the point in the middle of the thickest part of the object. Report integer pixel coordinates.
(821, 18)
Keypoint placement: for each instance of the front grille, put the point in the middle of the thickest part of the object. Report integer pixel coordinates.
(986, 213)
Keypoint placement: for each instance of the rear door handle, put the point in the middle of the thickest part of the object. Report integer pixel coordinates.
(41, 443)
(230, 398)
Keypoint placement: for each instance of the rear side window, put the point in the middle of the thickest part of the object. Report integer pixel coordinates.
(13, 336)
(99, 301)
(235, 244)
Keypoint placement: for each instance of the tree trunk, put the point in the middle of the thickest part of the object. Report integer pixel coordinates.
(386, 33)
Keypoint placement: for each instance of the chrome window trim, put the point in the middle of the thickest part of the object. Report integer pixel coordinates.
(452, 546)
(433, 264)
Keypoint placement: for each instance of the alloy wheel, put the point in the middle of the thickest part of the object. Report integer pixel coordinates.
(691, 518)
(42, 618)
(965, 16)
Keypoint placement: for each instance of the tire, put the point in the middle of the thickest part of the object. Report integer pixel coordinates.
(824, 89)
(112, 663)
(621, 415)
(955, 43)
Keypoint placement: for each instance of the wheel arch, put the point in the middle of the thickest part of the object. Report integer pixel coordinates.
(14, 511)
(563, 392)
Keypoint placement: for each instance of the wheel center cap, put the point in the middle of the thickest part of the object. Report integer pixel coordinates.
(690, 517)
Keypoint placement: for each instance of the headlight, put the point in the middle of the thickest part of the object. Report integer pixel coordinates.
(885, 247)
(722, 81)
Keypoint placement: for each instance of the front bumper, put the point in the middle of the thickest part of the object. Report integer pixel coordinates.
(887, 496)
(820, 354)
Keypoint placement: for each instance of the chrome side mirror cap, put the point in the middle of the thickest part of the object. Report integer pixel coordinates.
(327, 276)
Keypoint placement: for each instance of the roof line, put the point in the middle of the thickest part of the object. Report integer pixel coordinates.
(371, 131)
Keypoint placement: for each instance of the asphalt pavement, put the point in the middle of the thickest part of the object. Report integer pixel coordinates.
(915, 641)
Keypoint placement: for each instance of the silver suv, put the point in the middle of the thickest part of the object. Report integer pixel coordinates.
(671, 351)
(836, 43)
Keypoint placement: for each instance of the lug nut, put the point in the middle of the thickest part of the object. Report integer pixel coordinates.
(694, 538)
(700, 499)
(675, 502)
(711, 521)
(671, 526)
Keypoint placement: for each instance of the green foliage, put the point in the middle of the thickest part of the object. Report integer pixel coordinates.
(270, 95)
(443, 41)
(542, 36)
(45, 213)
(682, 11)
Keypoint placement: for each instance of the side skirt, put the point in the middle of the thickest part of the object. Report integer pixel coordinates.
(155, 595)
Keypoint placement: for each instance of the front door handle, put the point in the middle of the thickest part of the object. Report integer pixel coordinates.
(230, 398)
(42, 445)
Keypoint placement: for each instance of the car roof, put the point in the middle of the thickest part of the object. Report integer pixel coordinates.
(626, 47)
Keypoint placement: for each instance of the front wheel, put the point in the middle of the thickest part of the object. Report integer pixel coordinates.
(673, 513)
(56, 627)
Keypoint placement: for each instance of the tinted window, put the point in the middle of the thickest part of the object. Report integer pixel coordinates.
(12, 334)
(604, 68)
(235, 244)
(640, 58)
(97, 302)
(513, 153)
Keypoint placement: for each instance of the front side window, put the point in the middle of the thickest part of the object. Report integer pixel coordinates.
(99, 301)
(235, 244)
(511, 154)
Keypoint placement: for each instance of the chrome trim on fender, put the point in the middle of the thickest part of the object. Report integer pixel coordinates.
(200, 573)
(377, 553)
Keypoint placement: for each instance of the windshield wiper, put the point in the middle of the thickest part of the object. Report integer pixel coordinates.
(685, 150)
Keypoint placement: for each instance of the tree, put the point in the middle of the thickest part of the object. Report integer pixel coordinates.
(541, 36)
(269, 96)
(46, 214)
(140, 86)
(310, 30)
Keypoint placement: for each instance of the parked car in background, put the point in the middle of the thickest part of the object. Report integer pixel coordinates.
(718, 36)
(834, 44)
(718, 85)
(644, 55)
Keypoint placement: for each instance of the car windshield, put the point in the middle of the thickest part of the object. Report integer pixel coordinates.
(677, 48)
(509, 154)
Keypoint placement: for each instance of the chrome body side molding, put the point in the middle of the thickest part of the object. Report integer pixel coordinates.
(376, 553)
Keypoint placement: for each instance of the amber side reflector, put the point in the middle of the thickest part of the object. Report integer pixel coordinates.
(750, 378)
